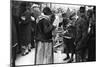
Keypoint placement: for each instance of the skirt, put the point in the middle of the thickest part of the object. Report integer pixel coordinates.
(44, 53)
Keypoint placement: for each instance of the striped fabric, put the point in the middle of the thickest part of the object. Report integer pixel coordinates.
(44, 53)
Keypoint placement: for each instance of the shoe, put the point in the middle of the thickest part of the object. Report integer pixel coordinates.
(70, 61)
(29, 50)
(25, 52)
(66, 58)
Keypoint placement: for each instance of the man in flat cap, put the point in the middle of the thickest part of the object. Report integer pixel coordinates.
(82, 25)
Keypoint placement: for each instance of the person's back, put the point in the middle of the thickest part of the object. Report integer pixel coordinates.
(44, 46)
(43, 30)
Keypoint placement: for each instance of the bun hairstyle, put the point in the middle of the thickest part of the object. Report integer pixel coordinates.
(47, 11)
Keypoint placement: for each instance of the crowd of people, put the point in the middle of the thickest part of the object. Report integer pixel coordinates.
(33, 28)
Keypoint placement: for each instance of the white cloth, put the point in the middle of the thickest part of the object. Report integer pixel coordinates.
(44, 53)
(57, 20)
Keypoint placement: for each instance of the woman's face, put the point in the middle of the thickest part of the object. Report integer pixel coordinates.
(36, 11)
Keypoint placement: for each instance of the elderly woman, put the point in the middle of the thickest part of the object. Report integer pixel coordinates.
(35, 12)
(44, 46)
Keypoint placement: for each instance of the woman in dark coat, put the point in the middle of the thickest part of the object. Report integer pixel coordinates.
(25, 31)
(44, 46)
